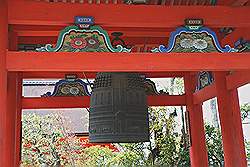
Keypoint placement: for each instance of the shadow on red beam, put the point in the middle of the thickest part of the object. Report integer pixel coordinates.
(238, 79)
(90, 75)
(204, 94)
(83, 102)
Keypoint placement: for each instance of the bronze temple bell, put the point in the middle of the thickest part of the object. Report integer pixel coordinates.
(118, 109)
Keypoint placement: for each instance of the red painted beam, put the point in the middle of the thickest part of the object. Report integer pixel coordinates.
(59, 75)
(238, 79)
(55, 102)
(125, 62)
(204, 94)
(83, 102)
(40, 13)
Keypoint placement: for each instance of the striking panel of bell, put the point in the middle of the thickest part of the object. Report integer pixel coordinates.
(118, 109)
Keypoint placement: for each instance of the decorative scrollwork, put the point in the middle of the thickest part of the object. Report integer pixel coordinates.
(242, 45)
(75, 39)
(185, 39)
(67, 87)
(150, 88)
(201, 40)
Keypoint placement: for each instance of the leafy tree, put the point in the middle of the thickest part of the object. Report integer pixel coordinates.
(214, 146)
(166, 146)
(245, 114)
(245, 111)
(47, 141)
(248, 149)
(95, 156)
(213, 135)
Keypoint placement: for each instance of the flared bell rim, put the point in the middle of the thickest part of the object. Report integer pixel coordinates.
(121, 139)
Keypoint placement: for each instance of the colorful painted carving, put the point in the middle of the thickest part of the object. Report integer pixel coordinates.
(84, 21)
(76, 87)
(199, 39)
(185, 39)
(242, 45)
(70, 87)
(205, 78)
(75, 39)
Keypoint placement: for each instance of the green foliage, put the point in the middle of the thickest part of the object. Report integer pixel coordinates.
(214, 146)
(127, 158)
(166, 146)
(245, 111)
(46, 140)
(248, 149)
(179, 85)
(95, 156)
(164, 139)
(245, 114)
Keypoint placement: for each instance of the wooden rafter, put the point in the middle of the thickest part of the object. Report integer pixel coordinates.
(35, 13)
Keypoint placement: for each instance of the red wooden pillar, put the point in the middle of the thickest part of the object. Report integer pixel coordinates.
(11, 116)
(5, 152)
(198, 149)
(230, 120)
(14, 99)
(18, 119)
(14, 119)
